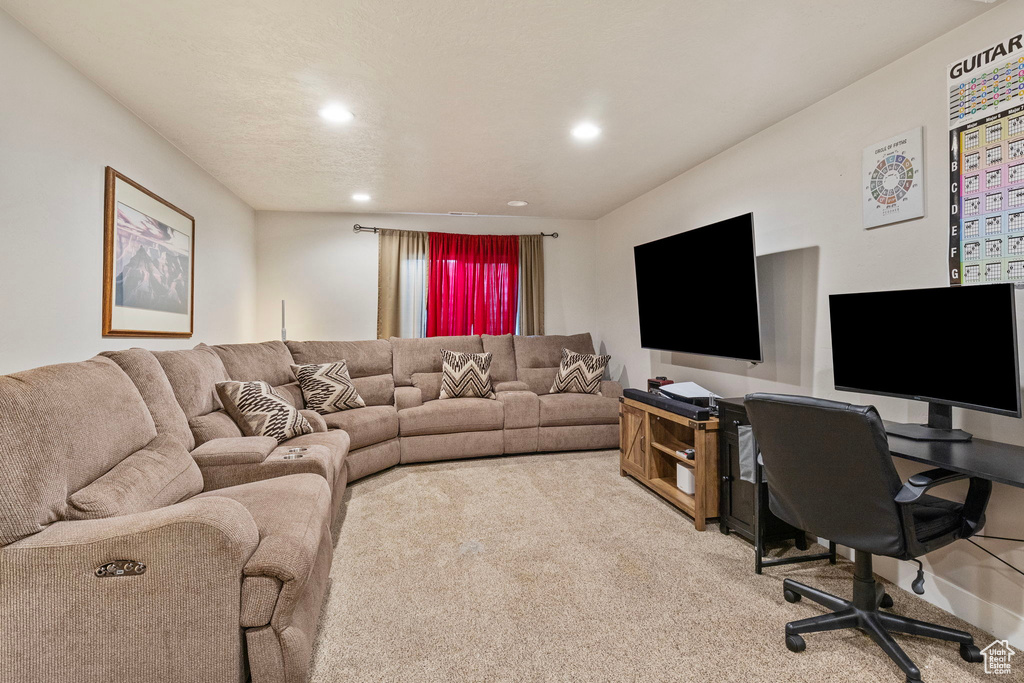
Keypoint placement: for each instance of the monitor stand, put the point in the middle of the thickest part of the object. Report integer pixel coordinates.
(939, 427)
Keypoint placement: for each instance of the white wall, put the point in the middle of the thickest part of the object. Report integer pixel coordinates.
(58, 131)
(328, 274)
(801, 179)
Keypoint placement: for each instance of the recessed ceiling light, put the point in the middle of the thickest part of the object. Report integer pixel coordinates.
(586, 131)
(335, 113)
(361, 197)
(517, 202)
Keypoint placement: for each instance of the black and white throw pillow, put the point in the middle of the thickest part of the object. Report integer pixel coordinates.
(258, 410)
(579, 373)
(465, 375)
(327, 388)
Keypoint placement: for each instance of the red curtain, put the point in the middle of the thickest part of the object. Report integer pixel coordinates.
(473, 286)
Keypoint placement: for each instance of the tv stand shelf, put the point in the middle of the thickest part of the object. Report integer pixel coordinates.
(649, 443)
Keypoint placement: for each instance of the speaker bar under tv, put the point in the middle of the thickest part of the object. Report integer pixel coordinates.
(697, 291)
(949, 346)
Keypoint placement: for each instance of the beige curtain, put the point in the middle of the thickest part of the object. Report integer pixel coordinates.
(402, 283)
(531, 284)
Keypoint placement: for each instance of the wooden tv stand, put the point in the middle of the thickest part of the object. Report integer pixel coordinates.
(649, 439)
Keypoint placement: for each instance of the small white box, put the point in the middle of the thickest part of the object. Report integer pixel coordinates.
(685, 480)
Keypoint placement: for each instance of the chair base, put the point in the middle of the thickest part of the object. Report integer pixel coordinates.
(863, 613)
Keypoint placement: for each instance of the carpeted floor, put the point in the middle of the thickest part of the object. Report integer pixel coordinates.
(555, 568)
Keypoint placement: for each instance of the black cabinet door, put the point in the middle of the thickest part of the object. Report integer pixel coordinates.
(737, 496)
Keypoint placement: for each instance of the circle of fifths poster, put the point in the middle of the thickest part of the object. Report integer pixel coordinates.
(986, 165)
(893, 177)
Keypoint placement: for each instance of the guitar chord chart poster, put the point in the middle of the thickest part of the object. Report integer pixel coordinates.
(986, 145)
(893, 179)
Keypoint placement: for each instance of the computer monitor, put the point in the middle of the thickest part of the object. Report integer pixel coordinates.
(949, 346)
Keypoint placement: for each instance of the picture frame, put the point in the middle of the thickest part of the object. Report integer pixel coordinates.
(893, 179)
(148, 263)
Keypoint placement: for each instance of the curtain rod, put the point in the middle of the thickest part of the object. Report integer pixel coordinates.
(366, 228)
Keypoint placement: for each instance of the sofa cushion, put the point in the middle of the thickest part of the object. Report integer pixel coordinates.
(149, 378)
(538, 380)
(451, 416)
(293, 393)
(327, 388)
(62, 427)
(538, 358)
(291, 513)
(161, 474)
(193, 374)
(258, 410)
(366, 426)
(465, 375)
(215, 425)
(424, 355)
(557, 410)
(268, 361)
(579, 373)
(429, 384)
(546, 351)
(364, 358)
(503, 351)
(375, 390)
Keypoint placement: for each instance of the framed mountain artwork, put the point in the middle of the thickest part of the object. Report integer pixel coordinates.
(148, 263)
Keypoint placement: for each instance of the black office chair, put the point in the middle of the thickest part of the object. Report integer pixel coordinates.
(829, 472)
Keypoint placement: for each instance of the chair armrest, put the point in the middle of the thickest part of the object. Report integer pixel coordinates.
(235, 450)
(511, 386)
(315, 419)
(611, 389)
(919, 483)
(194, 553)
(408, 397)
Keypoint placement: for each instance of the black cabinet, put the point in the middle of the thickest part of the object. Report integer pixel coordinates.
(736, 497)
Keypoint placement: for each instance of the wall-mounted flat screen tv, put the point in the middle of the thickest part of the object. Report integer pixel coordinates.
(697, 291)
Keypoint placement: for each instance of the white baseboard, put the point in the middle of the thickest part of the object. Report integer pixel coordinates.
(997, 620)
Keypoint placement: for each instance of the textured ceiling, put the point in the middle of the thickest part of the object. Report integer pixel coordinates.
(462, 105)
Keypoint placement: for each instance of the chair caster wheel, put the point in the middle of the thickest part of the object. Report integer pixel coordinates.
(791, 596)
(886, 601)
(970, 653)
(796, 644)
(913, 680)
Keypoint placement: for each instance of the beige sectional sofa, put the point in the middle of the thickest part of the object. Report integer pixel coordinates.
(236, 569)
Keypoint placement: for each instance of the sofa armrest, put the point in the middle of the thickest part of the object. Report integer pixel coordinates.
(194, 553)
(611, 389)
(408, 397)
(511, 386)
(521, 408)
(315, 419)
(237, 450)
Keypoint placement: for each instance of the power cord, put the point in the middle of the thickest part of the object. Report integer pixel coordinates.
(996, 538)
(918, 584)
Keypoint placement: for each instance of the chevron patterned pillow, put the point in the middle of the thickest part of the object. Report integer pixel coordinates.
(258, 410)
(466, 375)
(579, 373)
(327, 388)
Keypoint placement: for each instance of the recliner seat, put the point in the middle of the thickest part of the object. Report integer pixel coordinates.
(201, 570)
(225, 456)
